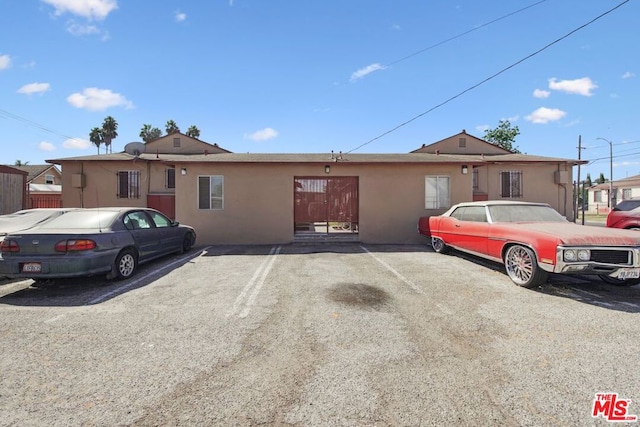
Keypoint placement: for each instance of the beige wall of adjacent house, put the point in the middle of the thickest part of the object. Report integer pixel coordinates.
(42, 178)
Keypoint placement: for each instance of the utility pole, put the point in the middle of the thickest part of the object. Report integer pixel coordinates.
(580, 193)
(610, 198)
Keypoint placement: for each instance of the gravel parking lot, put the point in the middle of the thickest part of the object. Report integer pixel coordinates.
(305, 335)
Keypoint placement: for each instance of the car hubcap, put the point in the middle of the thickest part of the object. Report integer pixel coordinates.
(127, 264)
(519, 265)
(436, 243)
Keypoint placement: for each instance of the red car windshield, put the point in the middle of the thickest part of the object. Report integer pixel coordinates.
(524, 213)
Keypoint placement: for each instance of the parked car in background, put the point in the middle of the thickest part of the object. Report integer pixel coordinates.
(85, 242)
(532, 240)
(28, 219)
(625, 214)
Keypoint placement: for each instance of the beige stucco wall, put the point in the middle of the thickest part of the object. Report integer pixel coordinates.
(42, 178)
(259, 200)
(259, 197)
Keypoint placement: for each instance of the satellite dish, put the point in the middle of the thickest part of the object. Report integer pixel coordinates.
(135, 148)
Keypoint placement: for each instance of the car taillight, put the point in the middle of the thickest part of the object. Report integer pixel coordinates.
(75, 245)
(9, 246)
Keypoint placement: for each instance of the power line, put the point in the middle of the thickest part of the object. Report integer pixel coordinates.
(461, 34)
(31, 123)
(486, 80)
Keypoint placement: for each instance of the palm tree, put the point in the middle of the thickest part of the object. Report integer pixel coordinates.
(148, 133)
(171, 127)
(109, 128)
(193, 132)
(96, 137)
(20, 163)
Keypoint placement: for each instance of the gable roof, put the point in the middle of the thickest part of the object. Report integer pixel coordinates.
(34, 171)
(187, 145)
(462, 143)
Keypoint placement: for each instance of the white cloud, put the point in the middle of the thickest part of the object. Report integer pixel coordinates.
(82, 29)
(582, 86)
(262, 135)
(76, 144)
(90, 9)
(95, 99)
(5, 62)
(32, 88)
(180, 16)
(231, 2)
(539, 93)
(46, 146)
(482, 128)
(365, 71)
(628, 75)
(545, 115)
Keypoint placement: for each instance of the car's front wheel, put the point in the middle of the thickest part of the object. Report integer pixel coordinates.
(187, 242)
(125, 264)
(522, 267)
(618, 282)
(439, 245)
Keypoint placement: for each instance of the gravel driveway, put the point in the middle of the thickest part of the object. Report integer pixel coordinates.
(316, 335)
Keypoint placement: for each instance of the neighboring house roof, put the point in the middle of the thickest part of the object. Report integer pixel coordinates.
(453, 145)
(35, 171)
(322, 158)
(11, 169)
(45, 188)
(630, 182)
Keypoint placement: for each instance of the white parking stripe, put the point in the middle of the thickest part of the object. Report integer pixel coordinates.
(141, 278)
(256, 290)
(391, 269)
(261, 274)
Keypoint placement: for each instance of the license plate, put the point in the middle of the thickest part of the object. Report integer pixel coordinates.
(31, 267)
(627, 273)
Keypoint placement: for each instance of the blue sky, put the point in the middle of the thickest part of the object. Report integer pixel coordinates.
(291, 76)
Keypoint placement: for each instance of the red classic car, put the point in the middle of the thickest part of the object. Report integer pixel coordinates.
(532, 240)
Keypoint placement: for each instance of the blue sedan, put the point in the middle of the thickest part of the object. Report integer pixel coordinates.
(86, 242)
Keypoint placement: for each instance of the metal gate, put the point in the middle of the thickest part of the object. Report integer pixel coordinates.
(326, 205)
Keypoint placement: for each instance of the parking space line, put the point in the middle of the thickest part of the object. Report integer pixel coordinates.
(394, 271)
(141, 278)
(256, 282)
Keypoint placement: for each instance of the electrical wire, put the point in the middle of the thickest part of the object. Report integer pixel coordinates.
(485, 80)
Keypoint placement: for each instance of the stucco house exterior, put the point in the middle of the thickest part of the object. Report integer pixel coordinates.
(598, 195)
(247, 198)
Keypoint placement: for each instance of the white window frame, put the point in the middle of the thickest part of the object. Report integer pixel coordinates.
(49, 179)
(214, 201)
(437, 192)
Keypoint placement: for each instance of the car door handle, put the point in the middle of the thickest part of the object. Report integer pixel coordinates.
(457, 225)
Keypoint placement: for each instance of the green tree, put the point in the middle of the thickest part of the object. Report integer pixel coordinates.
(193, 132)
(20, 163)
(96, 138)
(587, 181)
(504, 136)
(149, 133)
(109, 132)
(171, 127)
(601, 179)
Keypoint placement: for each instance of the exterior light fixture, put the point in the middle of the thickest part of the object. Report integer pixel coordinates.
(464, 169)
(183, 171)
(327, 168)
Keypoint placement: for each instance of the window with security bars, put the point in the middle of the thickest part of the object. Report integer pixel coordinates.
(129, 184)
(511, 184)
(437, 192)
(211, 192)
(626, 193)
(170, 178)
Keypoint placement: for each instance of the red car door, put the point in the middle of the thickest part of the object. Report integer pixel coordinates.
(474, 230)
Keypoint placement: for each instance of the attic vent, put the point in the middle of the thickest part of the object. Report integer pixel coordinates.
(462, 142)
(176, 142)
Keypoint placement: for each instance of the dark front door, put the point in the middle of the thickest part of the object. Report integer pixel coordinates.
(326, 205)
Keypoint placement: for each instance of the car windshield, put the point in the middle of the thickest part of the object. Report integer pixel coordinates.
(627, 205)
(83, 219)
(524, 213)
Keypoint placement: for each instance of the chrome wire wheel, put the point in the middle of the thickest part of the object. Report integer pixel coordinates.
(438, 245)
(522, 267)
